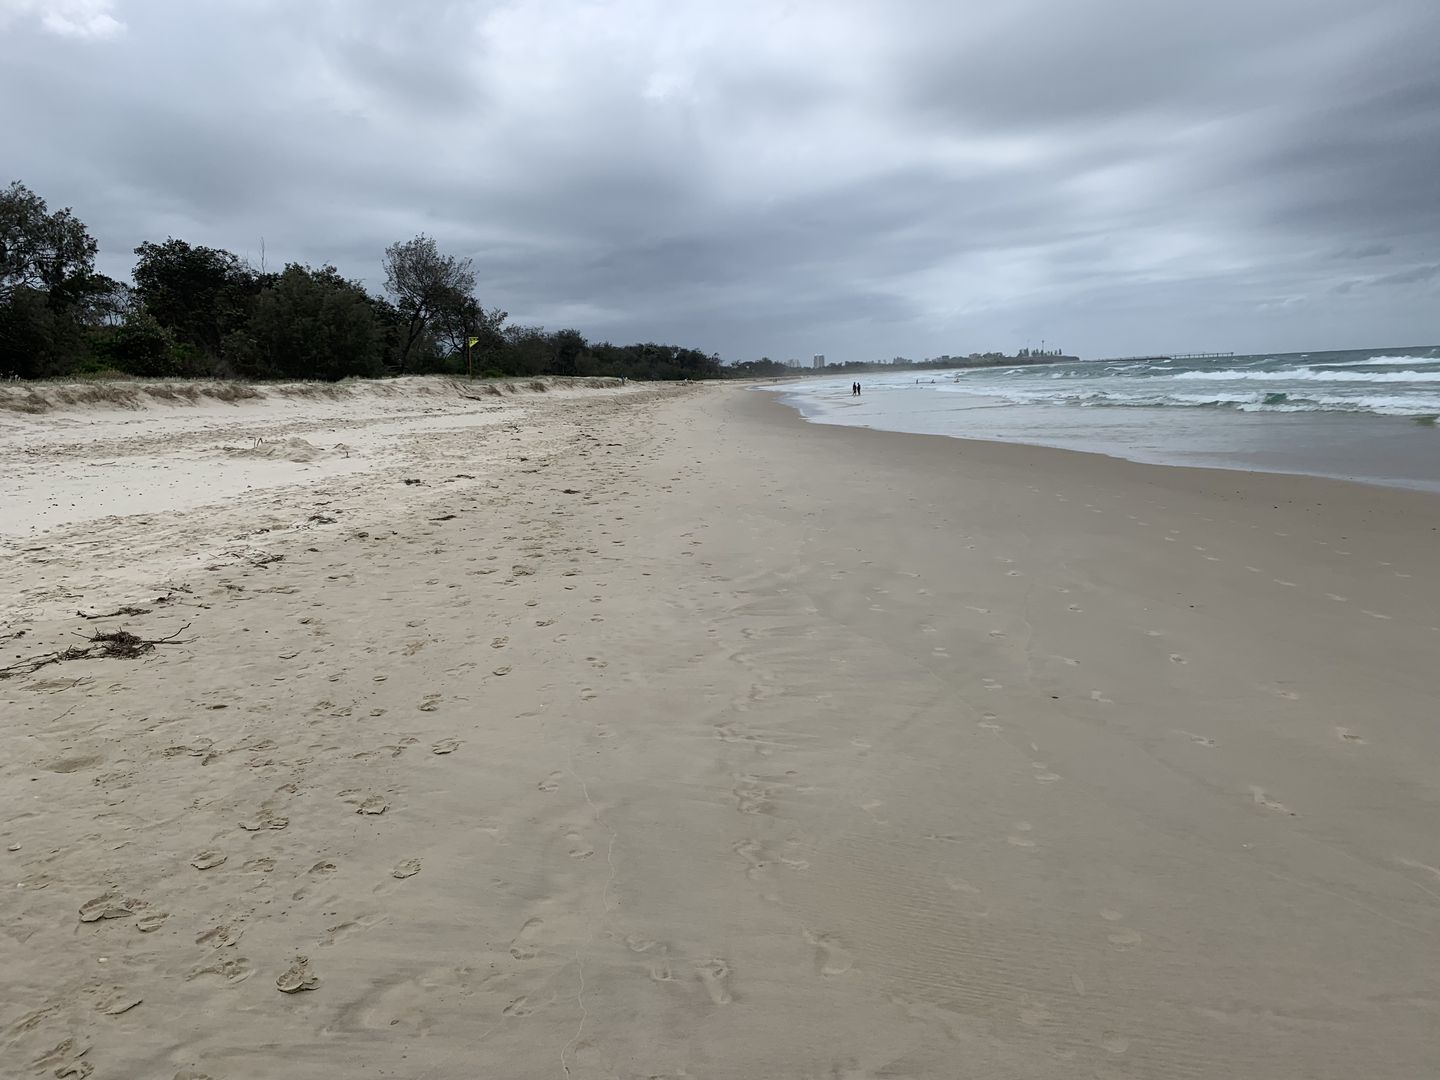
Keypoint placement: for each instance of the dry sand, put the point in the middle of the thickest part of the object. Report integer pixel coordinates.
(655, 734)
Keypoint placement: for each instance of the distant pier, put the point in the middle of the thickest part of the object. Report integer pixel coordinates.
(1165, 356)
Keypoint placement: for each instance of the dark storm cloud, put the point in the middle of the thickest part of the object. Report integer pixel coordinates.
(1409, 277)
(859, 179)
(1363, 251)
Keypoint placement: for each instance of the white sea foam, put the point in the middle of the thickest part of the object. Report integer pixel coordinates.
(1434, 358)
(1309, 375)
(1315, 400)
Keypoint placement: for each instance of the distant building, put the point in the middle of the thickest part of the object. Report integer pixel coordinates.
(818, 361)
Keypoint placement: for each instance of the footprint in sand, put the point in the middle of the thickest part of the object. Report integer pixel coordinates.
(375, 804)
(523, 947)
(116, 1003)
(660, 969)
(352, 926)
(108, 906)
(1125, 940)
(1346, 735)
(445, 746)
(519, 1007)
(207, 860)
(1114, 1043)
(1020, 837)
(831, 957)
(235, 970)
(715, 977)
(1263, 799)
(579, 849)
(407, 869)
(297, 977)
(221, 936)
(1199, 740)
(551, 782)
(658, 953)
(757, 860)
(265, 818)
(753, 798)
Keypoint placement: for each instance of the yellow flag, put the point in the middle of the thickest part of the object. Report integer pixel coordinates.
(474, 341)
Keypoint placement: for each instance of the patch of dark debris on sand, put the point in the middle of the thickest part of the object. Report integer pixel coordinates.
(103, 645)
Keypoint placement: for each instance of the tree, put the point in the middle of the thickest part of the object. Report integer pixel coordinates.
(52, 253)
(526, 352)
(457, 323)
(312, 324)
(38, 339)
(46, 275)
(108, 303)
(200, 294)
(425, 284)
(568, 346)
(141, 346)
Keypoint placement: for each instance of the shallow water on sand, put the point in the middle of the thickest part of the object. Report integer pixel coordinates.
(1142, 415)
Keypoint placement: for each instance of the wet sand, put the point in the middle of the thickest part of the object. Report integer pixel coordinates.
(660, 734)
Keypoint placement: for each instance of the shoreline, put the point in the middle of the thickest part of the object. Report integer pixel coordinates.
(682, 739)
(1387, 451)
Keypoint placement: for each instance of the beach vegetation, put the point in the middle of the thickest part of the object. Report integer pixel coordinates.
(192, 311)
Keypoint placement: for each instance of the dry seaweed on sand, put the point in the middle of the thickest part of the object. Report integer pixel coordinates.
(103, 645)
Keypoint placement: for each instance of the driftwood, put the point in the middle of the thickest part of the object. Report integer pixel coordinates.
(126, 610)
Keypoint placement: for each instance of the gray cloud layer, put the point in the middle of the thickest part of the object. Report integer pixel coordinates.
(859, 179)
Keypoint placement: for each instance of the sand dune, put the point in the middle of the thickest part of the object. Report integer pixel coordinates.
(650, 733)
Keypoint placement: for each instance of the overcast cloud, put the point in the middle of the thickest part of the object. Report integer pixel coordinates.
(757, 177)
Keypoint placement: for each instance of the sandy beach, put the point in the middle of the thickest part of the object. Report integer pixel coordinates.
(650, 732)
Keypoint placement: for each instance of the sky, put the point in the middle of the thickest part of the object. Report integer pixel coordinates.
(770, 178)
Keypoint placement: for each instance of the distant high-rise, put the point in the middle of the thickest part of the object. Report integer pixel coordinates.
(818, 361)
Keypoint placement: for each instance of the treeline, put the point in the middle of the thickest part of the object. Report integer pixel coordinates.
(195, 311)
(767, 368)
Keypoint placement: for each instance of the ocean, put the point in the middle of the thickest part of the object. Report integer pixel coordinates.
(1371, 415)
